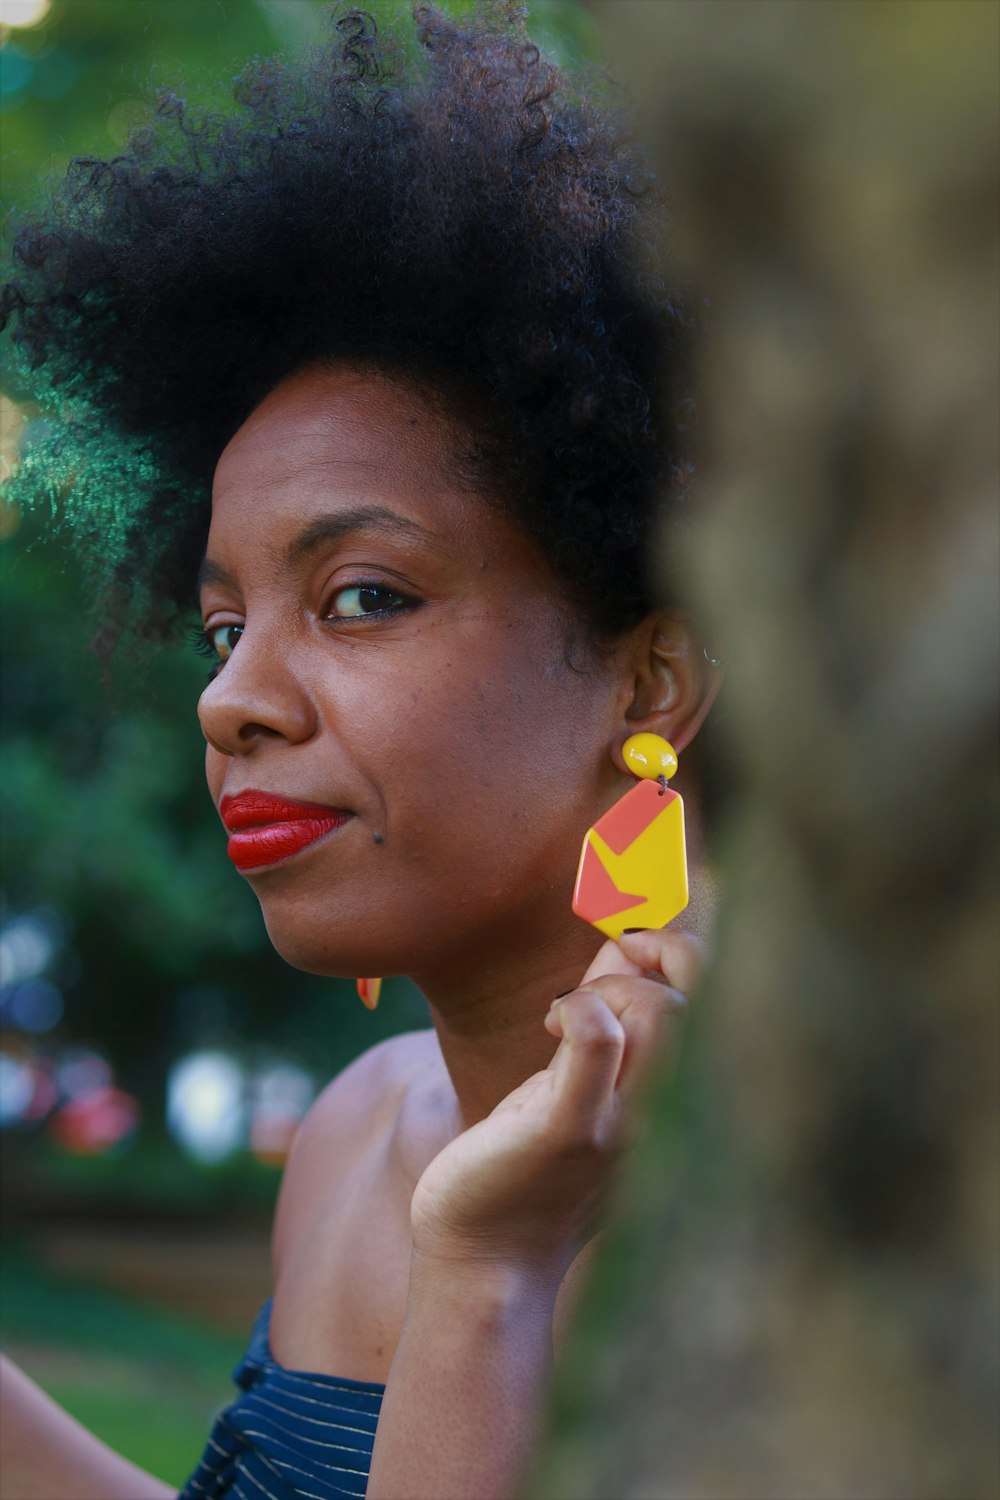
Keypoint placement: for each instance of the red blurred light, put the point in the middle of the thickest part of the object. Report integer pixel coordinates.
(95, 1122)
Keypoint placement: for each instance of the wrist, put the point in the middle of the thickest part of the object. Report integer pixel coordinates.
(499, 1286)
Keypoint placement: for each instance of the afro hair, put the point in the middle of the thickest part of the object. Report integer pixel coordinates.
(457, 214)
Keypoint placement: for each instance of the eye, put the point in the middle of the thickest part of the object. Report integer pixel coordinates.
(360, 599)
(217, 643)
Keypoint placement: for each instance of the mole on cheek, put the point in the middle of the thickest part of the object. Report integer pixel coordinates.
(377, 838)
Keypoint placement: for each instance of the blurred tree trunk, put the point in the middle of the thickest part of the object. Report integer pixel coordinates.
(800, 1295)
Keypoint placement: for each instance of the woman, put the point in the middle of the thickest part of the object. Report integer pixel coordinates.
(390, 318)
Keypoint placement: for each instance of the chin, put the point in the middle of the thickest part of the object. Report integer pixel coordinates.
(299, 949)
(360, 928)
(319, 943)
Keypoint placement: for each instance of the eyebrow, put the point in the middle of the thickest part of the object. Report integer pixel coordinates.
(335, 527)
(344, 523)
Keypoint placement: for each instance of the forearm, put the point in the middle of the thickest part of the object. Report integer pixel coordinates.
(45, 1454)
(466, 1391)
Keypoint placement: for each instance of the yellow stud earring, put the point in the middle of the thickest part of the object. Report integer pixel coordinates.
(633, 864)
(369, 991)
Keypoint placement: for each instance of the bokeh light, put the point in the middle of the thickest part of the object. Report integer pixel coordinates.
(11, 427)
(34, 1006)
(16, 1088)
(16, 72)
(81, 1071)
(205, 1112)
(27, 945)
(23, 12)
(280, 1094)
(95, 1122)
(124, 118)
(27, 1089)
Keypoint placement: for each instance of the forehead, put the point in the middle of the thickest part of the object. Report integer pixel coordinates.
(340, 456)
(324, 434)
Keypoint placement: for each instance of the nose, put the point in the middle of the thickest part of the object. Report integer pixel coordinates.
(255, 697)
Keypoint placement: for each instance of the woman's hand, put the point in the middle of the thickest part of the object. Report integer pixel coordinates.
(498, 1217)
(524, 1188)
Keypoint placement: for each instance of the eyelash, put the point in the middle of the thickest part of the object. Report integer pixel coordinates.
(201, 639)
(199, 642)
(374, 585)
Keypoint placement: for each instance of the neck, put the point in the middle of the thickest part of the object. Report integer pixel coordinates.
(489, 1022)
(488, 1012)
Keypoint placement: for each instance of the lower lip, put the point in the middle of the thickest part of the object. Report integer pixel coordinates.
(251, 848)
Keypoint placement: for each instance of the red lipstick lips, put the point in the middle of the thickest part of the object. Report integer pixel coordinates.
(264, 828)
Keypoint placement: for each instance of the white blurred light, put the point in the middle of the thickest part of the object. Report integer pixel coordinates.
(23, 12)
(17, 1088)
(281, 1094)
(26, 946)
(205, 1105)
(283, 1088)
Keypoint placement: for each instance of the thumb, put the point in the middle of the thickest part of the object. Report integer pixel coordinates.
(610, 960)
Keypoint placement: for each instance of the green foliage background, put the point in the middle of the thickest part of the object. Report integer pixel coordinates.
(107, 824)
(105, 816)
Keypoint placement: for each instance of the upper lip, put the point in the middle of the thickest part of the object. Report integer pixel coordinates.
(253, 809)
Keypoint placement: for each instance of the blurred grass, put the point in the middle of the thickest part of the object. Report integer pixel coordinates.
(146, 1381)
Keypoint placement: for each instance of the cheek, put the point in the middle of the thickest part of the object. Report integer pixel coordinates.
(215, 771)
(505, 757)
(478, 767)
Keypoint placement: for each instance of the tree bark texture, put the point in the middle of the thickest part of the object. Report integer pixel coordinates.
(799, 1295)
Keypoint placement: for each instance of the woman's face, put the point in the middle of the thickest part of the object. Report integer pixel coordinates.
(399, 656)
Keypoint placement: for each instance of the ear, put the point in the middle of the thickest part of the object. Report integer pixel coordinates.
(674, 680)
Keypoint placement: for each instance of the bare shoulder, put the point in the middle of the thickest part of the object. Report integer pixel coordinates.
(354, 1115)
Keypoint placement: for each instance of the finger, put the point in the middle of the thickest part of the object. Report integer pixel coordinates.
(649, 1012)
(610, 960)
(588, 1060)
(678, 955)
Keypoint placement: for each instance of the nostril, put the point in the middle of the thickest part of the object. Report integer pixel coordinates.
(259, 731)
(255, 699)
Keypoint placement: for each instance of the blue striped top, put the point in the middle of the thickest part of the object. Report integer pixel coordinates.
(289, 1434)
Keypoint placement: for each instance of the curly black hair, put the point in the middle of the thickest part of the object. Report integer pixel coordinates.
(461, 216)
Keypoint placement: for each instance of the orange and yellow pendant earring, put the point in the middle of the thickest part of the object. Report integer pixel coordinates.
(633, 865)
(369, 991)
